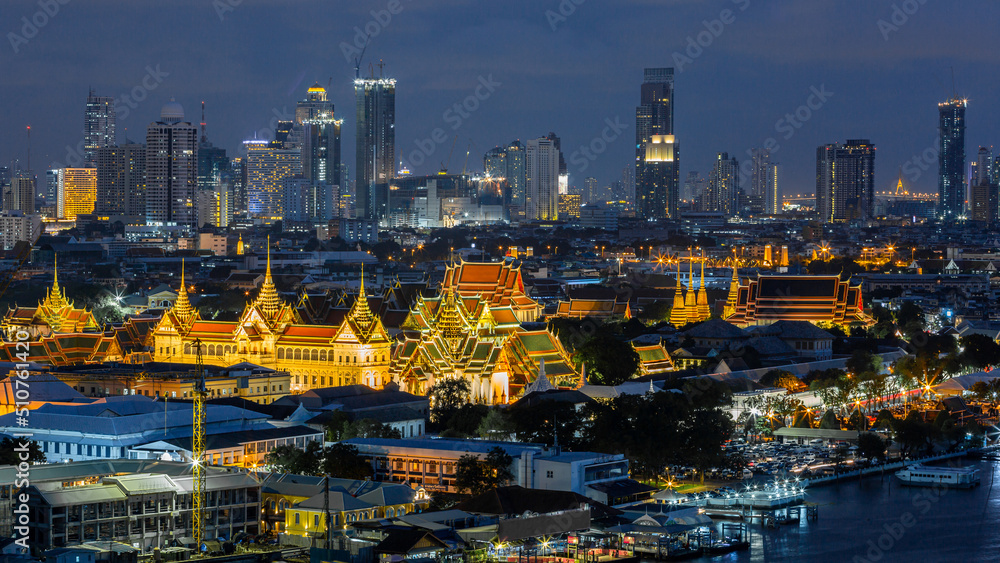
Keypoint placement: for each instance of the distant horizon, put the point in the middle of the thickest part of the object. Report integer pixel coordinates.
(744, 73)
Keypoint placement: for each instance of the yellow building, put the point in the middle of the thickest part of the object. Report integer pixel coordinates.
(76, 192)
(272, 333)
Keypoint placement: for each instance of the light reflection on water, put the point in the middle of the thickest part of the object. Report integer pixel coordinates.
(956, 525)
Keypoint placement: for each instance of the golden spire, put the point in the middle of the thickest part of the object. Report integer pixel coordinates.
(268, 301)
(239, 246)
(360, 312)
(55, 299)
(678, 316)
(448, 319)
(734, 289)
(182, 307)
(690, 304)
(703, 311)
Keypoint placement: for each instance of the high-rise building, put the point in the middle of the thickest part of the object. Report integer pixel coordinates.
(51, 185)
(591, 193)
(657, 167)
(569, 206)
(764, 183)
(98, 126)
(77, 192)
(563, 169)
(18, 226)
(845, 181)
(951, 158)
(542, 174)
(984, 202)
(238, 178)
(495, 162)
(121, 180)
(694, 186)
(375, 144)
(724, 192)
(981, 169)
(268, 166)
(320, 137)
(171, 168)
(19, 193)
(517, 183)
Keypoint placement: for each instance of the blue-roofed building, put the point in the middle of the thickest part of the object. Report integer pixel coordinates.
(431, 463)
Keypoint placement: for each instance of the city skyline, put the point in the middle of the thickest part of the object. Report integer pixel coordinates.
(588, 55)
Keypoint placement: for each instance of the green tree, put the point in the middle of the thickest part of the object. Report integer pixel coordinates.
(477, 476)
(10, 451)
(344, 461)
(871, 447)
(447, 396)
(495, 426)
(465, 420)
(781, 378)
(979, 351)
(830, 421)
(655, 312)
(290, 459)
(369, 428)
(609, 361)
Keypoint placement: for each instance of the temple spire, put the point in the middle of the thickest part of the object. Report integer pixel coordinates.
(182, 306)
(734, 289)
(268, 300)
(703, 311)
(690, 303)
(360, 312)
(678, 316)
(55, 299)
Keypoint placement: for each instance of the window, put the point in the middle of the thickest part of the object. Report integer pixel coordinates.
(315, 519)
(296, 518)
(548, 474)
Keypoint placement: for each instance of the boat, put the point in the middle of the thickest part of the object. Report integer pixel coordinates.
(928, 476)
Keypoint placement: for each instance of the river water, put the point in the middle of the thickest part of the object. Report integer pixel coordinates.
(877, 519)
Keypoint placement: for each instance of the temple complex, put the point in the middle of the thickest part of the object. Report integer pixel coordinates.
(817, 299)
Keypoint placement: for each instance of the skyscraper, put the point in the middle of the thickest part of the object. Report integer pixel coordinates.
(563, 169)
(542, 174)
(657, 166)
(121, 180)
(764, 182)
(951, 158)
(320, 137)
(19, 193)
(268, 166)
(171, 168)
(98, 126)
(590, 190)
(981, 169)
(376, 144)
(495, 162)
(77, 192)
(845, 181)
(517, 183)
(694, 185)
(724, 193)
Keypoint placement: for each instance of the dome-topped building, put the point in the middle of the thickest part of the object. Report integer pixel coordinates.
(172, 112)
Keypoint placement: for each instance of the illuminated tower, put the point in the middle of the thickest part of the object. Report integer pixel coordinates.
(678, 316)
(734, 290)
(171, 168)
(375, 139)
(657, 176)
(98, 126)
(951, 158)
(690, 301)
(703, 311)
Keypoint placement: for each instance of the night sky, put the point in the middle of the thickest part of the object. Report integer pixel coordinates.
(257, 59)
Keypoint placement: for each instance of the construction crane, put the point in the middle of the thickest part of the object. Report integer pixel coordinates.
(467, 151)
(198, 449)
(444, 165)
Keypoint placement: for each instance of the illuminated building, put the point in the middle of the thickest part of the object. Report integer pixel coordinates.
(320, 138)
(845, 181)
(121, 180)
(764, 183)
(272, 333)
(171, 168)
(817, 299)
(19, 195)
(268, 166)
(984, 201)
(499, 283)
(951, 158)
(569, 206)
(458, 336)
(77, 192)
(99, 123)
(516, 181)
(375, 144)
(724, 192)
(657, 175)
(542, 176)
(16, 226)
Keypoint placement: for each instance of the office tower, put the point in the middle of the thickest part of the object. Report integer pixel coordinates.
(171, 168)
(763, 182)
(495, 162)
(694, 186)
(845, 181)
(19, 193)
(375, 144)
(984, 201)
(52, 186)
(563, 169)
(98, 126)
(569, 206)
(517, 183)
(626, 186)
(121, 180)
(321, 156)
(981, 169)
(951, 158)
(542, 174)
(77, 192)
(724, 193)
(657, 173)
(17, 226)
(590, 190)
(214, 196)
(268, 166)
(238, 177)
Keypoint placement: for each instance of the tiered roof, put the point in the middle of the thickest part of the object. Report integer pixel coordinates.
(55, 312)
(499, 283)
(653, 359)
(798, 298)
(594, 308)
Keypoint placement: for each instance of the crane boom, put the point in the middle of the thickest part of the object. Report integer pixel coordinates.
(198, 450)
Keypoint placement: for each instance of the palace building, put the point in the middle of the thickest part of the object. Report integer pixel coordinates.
(456, 335)
(271, 333)
(60, 334)
(817, 299)
(498, 283)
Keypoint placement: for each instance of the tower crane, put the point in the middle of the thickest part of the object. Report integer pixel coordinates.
(198, 449)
